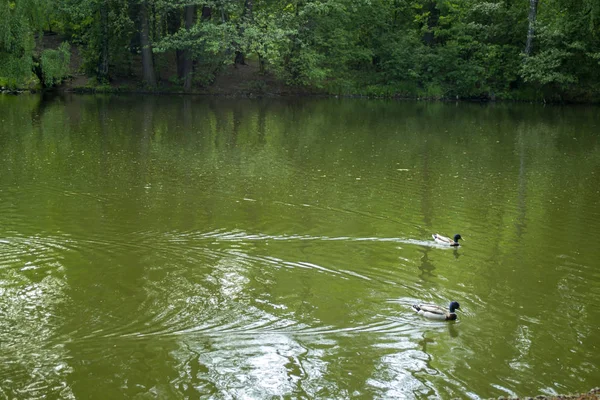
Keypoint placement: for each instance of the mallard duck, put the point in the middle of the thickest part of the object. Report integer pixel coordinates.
(433, 311)
(446, 240)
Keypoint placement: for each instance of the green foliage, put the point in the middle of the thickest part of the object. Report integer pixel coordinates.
(55, 64)
(19, 23)
(425, 48)
(210, 44)
(267, 39)
(568, 36)
(83, 25)
(202, 40)
(546, 68)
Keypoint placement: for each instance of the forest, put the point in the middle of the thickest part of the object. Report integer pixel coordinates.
(531, 50)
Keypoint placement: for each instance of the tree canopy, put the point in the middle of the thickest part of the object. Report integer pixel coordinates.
(429, 48)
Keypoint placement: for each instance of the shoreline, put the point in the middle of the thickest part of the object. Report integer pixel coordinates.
(593, 394)
(247, 81)
(116, 90)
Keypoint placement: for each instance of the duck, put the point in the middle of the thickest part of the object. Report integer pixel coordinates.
(433, 311)
(446, 240)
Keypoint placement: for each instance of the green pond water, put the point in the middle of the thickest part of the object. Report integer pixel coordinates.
(190, 247)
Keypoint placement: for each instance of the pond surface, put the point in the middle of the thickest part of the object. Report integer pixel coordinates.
(183, 247)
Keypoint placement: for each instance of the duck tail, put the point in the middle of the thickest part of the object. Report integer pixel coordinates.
(416, 307)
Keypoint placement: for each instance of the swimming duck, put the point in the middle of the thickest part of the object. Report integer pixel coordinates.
(446, 240)
(433, 311)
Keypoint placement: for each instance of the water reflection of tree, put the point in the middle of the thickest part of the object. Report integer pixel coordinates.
(521, 219)
(98, 155)
(426, 267)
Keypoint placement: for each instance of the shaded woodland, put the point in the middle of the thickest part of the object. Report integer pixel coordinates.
(545, 50)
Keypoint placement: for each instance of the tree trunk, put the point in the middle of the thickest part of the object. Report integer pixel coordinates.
(37, 70)
(147, 62)
(173, 25)
(531, 30)
(103, 59)
(289, 62)
(188, 63)
(206, 13)
(432, 22)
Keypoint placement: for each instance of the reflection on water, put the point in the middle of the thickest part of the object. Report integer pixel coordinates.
(182, 247)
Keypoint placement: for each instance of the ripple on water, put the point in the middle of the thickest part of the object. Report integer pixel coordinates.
(33, 353)
(35, 252)
(184, 300)
(182, 306)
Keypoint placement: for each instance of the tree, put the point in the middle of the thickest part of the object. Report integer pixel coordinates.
(432, 48)
(566, 52)
(104, 50)
(190, 16)
(52, 66)
(245, 21)
(20, 23)
(146, 44)
(103, 31)
(531, 29)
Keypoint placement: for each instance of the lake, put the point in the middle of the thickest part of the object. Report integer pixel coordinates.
(196, 247)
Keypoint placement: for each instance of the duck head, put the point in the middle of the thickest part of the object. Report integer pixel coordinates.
(454, 306)
(456, 237)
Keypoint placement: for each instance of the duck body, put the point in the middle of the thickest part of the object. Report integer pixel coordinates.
(433, 311)
(446, 240)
